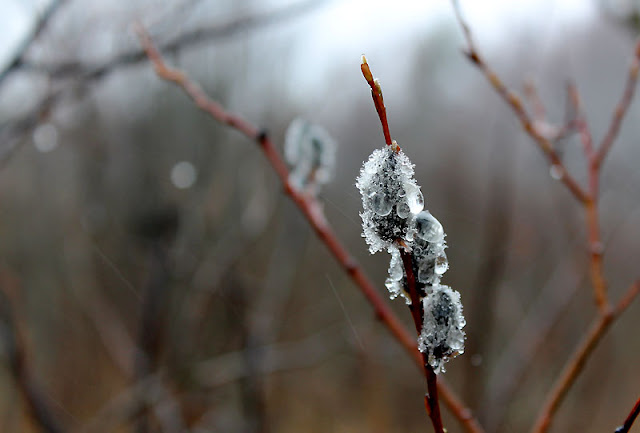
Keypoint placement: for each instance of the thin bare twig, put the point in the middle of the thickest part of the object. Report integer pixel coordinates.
(512, 365)
(84, 74)
(11, 332)
(87, 73)
(626, 427)
(591, 205)
(589, 199)
(313, 214)
(621, 109)
(514, 101)
(579, 357)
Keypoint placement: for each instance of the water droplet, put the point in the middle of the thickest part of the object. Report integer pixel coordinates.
(402, 209)
(394, 288)
(556, 172)
(396, 271)
(429, 228)
(415, 199)
(381, 204)
(442, 264)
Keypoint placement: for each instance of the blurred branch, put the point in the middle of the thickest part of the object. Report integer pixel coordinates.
(621, 109)
(230, 367)
(11, 332)
(626, 427)
(127, 405)
(83, 74)
(87, 73)
(533, 332)
(310, 209)
(579, 357)
(588, 198)
(18, 59)
(514, 101)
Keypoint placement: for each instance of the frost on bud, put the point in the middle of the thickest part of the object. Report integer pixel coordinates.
(310, 150)
(390, 198)
(442, 337)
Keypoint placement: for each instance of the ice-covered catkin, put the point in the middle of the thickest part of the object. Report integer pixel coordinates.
(442, 337)
(310, 151)
(390, 198)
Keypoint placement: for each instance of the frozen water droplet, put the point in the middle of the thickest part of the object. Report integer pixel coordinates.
(556, 172)
(442, 264)
(402, 209)
(396, 272)
(429, 228)
(415, 199)
(381, 204)
(393, 287)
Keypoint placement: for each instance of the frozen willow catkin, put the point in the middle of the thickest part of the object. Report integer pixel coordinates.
(393, 218)
(310, 151)
(442, 337)
(390, 198)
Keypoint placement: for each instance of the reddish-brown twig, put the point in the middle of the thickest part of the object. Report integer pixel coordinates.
(312, 213)
(624, 428)
(378, 101)
(576, 363)
(591, 205)
(514, 101)
(588, 198)
(431, 400)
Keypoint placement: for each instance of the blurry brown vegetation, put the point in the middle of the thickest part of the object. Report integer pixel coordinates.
(245, 331)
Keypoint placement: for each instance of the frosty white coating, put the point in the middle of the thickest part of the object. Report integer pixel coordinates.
(390, 198)
(442, 337)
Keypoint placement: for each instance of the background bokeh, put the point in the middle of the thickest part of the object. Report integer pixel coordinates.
(113, 186)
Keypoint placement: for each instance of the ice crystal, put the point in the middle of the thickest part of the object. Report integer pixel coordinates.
(442, 337)
(390, 198)
(310, 151)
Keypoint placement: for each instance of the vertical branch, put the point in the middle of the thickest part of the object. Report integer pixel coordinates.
(621, 109)
(376, 94)
(591, 204)
(431, 400)
(34, 397)
(156, 228)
